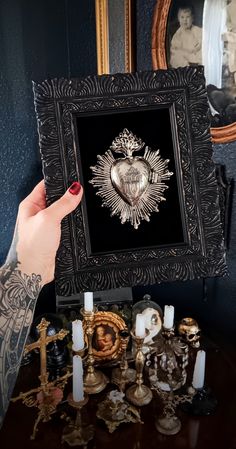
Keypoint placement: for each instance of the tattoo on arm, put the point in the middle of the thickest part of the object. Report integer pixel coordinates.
(18, 294)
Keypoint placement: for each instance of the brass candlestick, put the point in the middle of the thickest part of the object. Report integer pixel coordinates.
(49, 394)
(94, 380)
(168, 423)
(170, 360)
(75, 433)
(123, 375)
(139, 394)
(169, 374)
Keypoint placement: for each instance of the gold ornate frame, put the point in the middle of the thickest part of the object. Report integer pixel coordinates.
(223, 134)
(115, 323)
(102, 36)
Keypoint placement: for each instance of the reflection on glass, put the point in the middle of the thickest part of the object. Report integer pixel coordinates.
(219, 57)
(116, 32)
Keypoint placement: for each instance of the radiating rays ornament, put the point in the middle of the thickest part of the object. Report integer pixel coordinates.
(132, 186)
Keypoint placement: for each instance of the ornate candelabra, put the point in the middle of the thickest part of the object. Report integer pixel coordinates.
(48, 395)
(139, 394)
(168, 423)
(168, 375)
(123, 374)
(94, 380)
(170, 361)
(75, 433)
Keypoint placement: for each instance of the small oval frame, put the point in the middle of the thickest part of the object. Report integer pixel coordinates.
(112, 325)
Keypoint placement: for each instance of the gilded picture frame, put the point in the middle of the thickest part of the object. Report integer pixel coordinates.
(77, 121)
(107, 344)
(221, 86)
(114, 36)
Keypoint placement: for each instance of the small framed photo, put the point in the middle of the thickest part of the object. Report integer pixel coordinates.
(201, 33)
(107, 344)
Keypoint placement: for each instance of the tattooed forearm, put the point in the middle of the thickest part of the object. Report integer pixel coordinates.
(18, 294)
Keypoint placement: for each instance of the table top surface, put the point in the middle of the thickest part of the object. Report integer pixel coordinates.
(217, 431)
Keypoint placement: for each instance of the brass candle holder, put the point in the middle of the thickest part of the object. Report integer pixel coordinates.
(168, 423)
(75, 433)
(123, 374)
(170, 361)
(139, 394)
(169, 374)
(114, 410)
(94, 380)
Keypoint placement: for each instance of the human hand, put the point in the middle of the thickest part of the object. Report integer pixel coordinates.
(38, 231)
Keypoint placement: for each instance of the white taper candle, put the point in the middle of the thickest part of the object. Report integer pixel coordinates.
(78, 386)
(140, 326)
(88, 301)
(77, 335)
(168, 317)
(199, 370)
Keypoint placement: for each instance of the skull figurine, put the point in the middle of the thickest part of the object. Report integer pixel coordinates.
(189, 330)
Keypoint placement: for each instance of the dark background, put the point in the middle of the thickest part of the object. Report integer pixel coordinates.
(95, 135)
(57, 38)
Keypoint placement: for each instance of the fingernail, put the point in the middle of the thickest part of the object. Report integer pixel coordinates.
(75, 188)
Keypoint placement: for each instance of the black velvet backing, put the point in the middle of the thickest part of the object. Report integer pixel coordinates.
(95, 134)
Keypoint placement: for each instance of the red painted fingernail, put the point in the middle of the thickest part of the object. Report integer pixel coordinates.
(75, 188)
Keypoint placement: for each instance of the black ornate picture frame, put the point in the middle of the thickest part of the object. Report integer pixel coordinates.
(168, 109)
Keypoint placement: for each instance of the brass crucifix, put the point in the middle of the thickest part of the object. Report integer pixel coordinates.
(42, 343)
(48, 394)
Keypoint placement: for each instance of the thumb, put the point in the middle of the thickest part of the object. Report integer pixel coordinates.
(67, 203)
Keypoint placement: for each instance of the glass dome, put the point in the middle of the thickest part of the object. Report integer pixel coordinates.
(153, 315)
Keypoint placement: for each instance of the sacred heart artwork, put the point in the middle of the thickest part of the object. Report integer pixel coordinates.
(131, 186)
(130, 178)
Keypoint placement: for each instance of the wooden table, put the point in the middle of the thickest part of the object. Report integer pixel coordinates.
(217, 431)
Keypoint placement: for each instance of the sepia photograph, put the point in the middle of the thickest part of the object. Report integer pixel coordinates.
(184, 37)
(187, 33)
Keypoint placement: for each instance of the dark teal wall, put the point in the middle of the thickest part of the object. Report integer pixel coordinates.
(38, 40)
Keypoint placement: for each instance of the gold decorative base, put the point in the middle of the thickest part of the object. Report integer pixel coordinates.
(120, 380)
(75, 436)
(116, 413)
(139, 395)
(168, 425)
(95, 382)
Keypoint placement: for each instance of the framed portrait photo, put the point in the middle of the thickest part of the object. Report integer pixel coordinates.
(203, 32)
(140, 145)
(107, 343)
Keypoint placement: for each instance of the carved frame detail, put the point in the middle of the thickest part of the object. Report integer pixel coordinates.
(58, 102)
